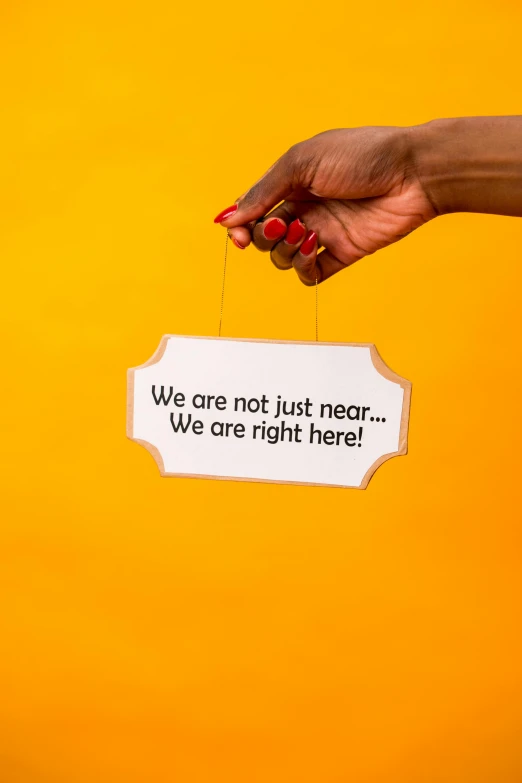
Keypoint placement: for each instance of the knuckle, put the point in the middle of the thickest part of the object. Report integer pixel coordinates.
(293, 152)
(294, 156)
(278, 261)
(307, 265)
(249, 197)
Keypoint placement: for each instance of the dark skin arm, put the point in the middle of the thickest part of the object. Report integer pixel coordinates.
(355, 191)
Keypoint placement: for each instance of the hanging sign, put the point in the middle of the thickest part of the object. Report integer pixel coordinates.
(259, 410)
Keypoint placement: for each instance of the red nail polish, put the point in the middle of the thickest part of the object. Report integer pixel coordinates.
(236, 243)
(228, 212)
(274, 229)
(308, 243)
(295, 233)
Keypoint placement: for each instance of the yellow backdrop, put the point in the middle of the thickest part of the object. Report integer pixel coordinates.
(182, 630)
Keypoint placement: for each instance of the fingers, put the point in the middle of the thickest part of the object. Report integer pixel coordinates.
(281, 233)
(272, 188)
(265, 233)
(294, 247)
(283, 252)
(240, 236)
(312, 266)
(304, 260)
(329, 265)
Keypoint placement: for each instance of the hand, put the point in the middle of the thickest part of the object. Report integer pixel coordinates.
(351, 191)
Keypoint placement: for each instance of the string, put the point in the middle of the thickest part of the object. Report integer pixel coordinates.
(316, 310)
(223, 284)
(223, 295)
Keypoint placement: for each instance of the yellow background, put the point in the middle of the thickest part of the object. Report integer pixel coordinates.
(181, 630)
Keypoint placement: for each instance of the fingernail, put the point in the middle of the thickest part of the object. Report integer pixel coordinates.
(236, 243)
(274, 229)
(295, 233)
(308, 243)
(228, 212)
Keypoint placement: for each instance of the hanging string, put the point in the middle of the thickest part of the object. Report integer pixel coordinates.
(223, 295)
(223, 284)
(316, 310)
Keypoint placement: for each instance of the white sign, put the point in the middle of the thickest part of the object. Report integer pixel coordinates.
(258, 410)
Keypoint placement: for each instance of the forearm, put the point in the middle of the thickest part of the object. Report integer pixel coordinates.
(472, 164)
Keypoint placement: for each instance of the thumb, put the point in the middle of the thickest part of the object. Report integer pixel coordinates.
(264, 195)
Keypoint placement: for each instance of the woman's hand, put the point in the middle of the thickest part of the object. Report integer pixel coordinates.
(356, 191)
(350, 191)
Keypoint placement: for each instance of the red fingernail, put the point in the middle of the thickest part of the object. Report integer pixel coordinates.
(274, 229)
(295, 233)
(236, 243)
(228, 212)
(308, 243)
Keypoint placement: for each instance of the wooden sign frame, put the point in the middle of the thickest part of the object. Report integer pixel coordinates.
(378, 362)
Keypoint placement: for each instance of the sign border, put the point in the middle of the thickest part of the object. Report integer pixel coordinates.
(378, 362)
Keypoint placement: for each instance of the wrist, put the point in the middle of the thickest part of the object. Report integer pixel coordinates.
(470, 164)
(442, 169)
